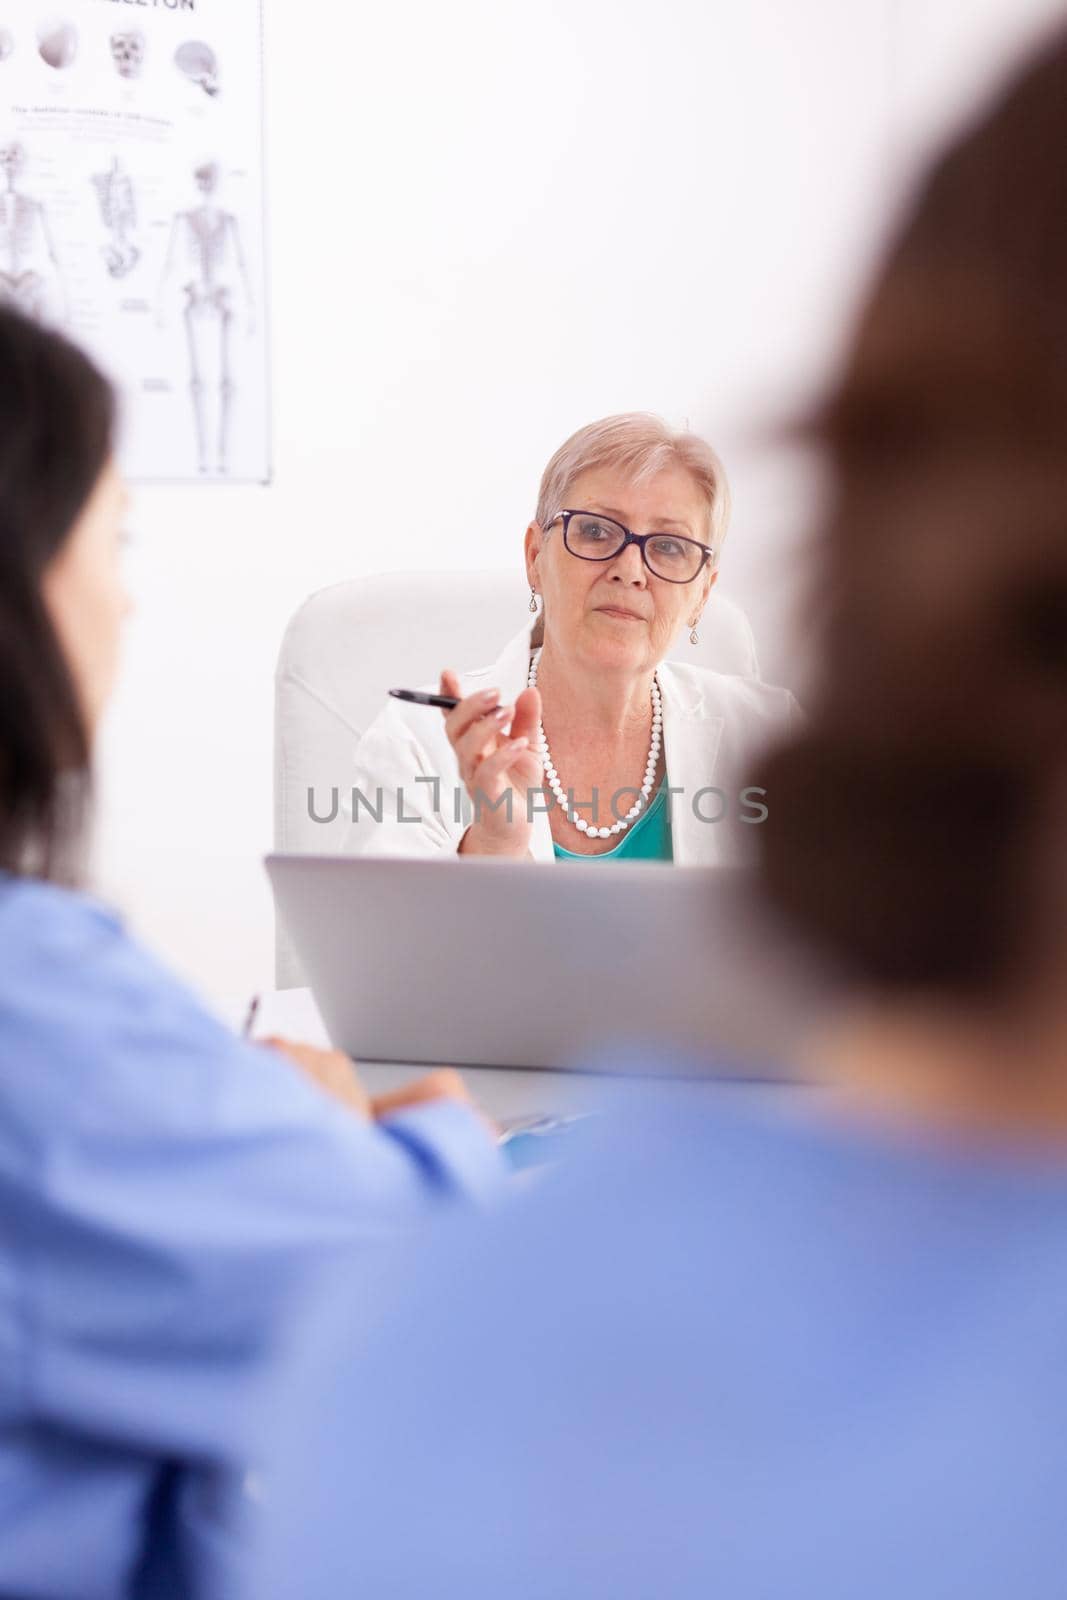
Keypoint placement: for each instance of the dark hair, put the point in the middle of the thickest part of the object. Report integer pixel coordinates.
(911, 826)
(56, 424)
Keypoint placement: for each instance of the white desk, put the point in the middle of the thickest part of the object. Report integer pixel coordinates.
(502, 1092)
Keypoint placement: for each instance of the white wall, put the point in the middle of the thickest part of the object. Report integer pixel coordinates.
(491, 223)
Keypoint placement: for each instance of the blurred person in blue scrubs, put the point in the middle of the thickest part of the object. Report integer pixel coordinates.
(810, 1349)
(164, 1187)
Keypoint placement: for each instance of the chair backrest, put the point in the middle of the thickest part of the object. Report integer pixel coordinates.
(348, 644)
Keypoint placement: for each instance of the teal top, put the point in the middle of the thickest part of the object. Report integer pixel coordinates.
(649, 839)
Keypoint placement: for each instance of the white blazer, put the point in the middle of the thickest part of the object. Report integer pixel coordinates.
(715, 725)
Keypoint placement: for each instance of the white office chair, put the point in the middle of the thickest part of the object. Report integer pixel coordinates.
(349, 644)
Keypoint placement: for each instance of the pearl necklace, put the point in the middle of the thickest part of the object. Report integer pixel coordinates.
(646, 785)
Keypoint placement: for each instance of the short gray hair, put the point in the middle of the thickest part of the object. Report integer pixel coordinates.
(639, 445)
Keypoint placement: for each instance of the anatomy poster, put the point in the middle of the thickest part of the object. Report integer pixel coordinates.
(131, 215)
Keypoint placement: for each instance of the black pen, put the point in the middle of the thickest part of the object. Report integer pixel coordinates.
(418, 697)
(250, 1019)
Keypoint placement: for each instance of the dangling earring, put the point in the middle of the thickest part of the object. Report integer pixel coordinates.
(694, 637)
(533, 601)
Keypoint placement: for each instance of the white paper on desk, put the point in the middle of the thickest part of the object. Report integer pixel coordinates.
(291, 1014)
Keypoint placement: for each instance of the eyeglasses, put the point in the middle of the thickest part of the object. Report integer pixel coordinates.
(669, 556)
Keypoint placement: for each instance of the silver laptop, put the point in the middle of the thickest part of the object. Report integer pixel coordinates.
(510, 964)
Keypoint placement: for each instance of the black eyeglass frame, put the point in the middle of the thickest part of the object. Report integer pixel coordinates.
(707, 551)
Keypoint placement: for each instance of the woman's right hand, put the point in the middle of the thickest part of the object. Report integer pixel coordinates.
(495, 749)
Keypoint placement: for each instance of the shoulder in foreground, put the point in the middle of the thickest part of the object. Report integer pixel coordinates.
(44, 922)
(69, 967)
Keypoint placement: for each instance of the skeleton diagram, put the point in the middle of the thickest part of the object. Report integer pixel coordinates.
(118, 208)
(207, 241)
(27, 255)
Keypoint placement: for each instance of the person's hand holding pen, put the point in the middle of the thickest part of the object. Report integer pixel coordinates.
(495, 747)
(335, 1073)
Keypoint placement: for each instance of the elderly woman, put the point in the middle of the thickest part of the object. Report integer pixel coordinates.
(582, 741)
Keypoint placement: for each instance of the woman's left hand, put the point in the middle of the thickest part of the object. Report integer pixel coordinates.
(331, 1070)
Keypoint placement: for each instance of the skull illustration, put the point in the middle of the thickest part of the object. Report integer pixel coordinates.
(199, 64)
(57, 43)
(127, 52)
(12, 162)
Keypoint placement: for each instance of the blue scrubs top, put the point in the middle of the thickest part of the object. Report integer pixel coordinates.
(733, 1354)
(164, 1190)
